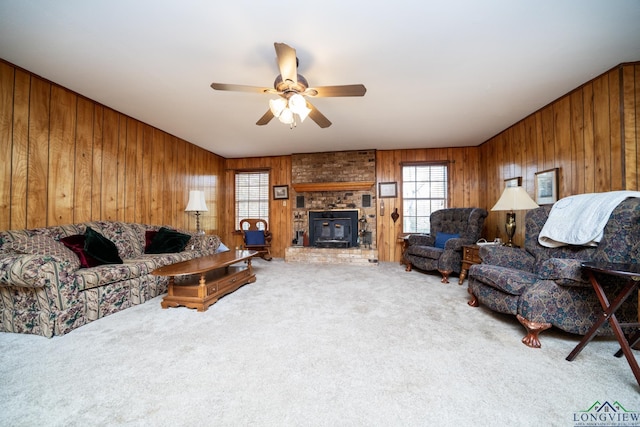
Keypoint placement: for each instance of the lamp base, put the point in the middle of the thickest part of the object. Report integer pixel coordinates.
(510, 228)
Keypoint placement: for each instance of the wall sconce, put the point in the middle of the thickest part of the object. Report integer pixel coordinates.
(381, 207)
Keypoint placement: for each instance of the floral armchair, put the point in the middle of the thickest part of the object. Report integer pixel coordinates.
(442, 249)
(545, 287)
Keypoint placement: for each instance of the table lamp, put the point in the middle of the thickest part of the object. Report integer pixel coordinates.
(513, 199)
(196, 204)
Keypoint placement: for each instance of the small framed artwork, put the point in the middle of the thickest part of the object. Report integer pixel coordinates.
(388, 189)
(280, 192)
(513, 182)
(547, 187)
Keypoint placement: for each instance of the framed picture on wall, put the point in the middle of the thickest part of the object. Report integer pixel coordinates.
(280, 192)
(547, 187)
(513, 182)
(388, 189)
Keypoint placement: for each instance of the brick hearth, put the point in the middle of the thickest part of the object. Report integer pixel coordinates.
(311, 255)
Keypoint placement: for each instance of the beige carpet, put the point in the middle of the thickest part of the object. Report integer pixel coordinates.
(309, 345)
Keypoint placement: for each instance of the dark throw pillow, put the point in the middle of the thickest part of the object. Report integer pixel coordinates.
(254, 237)
(100, 248)
(76, 244)
(167, 241)
(148, 238)
(441, 239)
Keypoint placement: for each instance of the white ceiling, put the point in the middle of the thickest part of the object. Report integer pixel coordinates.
(438, 73)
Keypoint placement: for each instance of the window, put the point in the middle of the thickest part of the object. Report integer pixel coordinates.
(252, 196)
(424, 190)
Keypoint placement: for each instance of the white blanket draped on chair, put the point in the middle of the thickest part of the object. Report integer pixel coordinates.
(580, 219)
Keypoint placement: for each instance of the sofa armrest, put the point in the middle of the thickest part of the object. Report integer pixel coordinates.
(564, 271)
(421, 240)
(505, 256)
(33, 271)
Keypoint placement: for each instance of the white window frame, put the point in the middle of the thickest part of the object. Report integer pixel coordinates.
(251, 195)
(425, 189)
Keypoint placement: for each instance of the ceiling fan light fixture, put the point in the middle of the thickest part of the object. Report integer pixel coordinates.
(286, 116)
(277, 106)
(304, 113)
(297, 103)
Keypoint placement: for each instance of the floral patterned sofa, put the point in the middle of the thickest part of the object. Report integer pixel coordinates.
(44, 290)
(545, 286)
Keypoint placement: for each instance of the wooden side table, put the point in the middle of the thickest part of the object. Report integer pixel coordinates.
(403, 241)
(630, 273)
(470, 256)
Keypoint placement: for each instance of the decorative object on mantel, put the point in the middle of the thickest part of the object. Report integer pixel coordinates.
(395, 215)
(513, 199)
(196, 204)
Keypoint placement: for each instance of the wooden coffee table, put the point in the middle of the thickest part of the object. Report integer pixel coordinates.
(208, 278)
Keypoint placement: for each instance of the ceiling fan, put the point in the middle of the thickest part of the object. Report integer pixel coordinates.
(293, 89)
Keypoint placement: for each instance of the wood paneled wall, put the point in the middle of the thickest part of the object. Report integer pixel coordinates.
(591, 135)
(67, 159)
(464, 178)
(280, 211)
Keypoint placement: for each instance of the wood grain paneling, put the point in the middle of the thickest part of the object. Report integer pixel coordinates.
(68, 159)
(590, 134)
(6, 134)
(280, 211)
(61, 157)
(73, 160)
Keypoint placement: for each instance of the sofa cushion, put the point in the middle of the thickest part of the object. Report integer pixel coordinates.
(44, 245)
(167, 241)
(76, 244)
(441, 238)
(506, 279)
(100, 248)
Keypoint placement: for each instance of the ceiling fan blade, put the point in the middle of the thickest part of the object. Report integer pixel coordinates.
(344, 90)
(318, 117)
(266, 118)
(242, 88)
(287, 62)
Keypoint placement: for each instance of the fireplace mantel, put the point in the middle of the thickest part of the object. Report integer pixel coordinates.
(308, 187)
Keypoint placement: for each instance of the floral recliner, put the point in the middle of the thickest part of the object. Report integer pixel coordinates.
(45, 291)
(423, 251)
(546, 287)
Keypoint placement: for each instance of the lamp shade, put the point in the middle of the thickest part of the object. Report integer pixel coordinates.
(196, 202)
(514, 199)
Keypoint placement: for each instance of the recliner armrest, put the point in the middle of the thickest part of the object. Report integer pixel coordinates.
(505, 256)
(421, 240)
(564, 271)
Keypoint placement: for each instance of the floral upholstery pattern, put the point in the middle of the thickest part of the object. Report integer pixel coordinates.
(44, 291)
(548, 285)
(465, 222)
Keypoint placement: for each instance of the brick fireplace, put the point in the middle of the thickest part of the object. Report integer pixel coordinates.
(334, 200)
